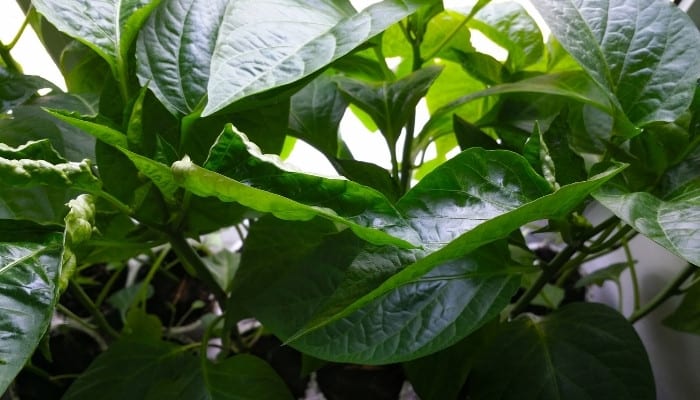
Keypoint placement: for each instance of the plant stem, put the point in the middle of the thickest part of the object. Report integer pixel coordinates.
(143, 291)
(545, 276)
(21, 29)
(633, 273)
(86, 302)
(191, 260)
(669, 291)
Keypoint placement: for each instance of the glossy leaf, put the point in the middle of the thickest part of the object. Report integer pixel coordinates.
(390, 104)
(206, 183)
(481, 206)
(511, 27)
(266, 44)
(237, 158)
(671, 222)
(30, 262)
(107, 26)
(581, 351)
(644, 53)
(142, 368)
(445, 305)
(29, 173)
(174, 52)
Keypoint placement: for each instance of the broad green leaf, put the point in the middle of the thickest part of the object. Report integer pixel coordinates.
(315, 114)
(223, 266)
(107, 26)
(511, 27)
(79, 227)
(671, 222)
(36, 150)
(482, 208)
(390, 104)
(15, 89)
(642, 52)
(447, 304)
(267, 44)
(237, 158)
(174, 52)
(141, 368)
(369, 174)
(582, 351)
(206, 183)
(83, 70)
(30, 262)
(450, 26)
(483, 67)
(686, 318)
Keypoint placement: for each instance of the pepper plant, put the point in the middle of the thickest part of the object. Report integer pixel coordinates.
(115, 192)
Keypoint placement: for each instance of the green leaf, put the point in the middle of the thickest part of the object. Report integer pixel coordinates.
(686, 318)
(223, 266)
(474, 212)
(79, 227)
(15, 89)
(390, 104)
(671, 221)
(315, 114)
(30, 173)
(237, 158)
(369, 174)
(581, 351)
(446, 25)
(174, 51)
(35, 150)
(511, 27)
(599, 277)
(642, 52)
(448, 303)
(206, 183)
(108, 27)
(124, 299)
(267, 44)
(30, 262)
(140, 368)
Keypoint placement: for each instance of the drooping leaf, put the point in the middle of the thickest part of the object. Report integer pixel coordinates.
(315, 115)
(390, 104)
(141, 368)
(643, 53)
(599, 277)
(266, 44)
(30, 262)
(174, 52)
(108, 26)
(485, 215)
(30, 173)
(581, 351)
(511, 27)
(206, 183)
(239, 159)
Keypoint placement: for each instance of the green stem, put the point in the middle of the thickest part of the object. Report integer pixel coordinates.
(7, 59)
(191, 261)
(546, 275)
(108, 286)
(379, 53)
(143, 291)
(19, 33)
(672, 289)
(633, 273)
(86, 302)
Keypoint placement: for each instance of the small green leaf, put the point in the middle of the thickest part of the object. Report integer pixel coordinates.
(124, 299)
(79, 227)
(30, 262)
(390, 104)
(686, 318)
(511, 27)
(642, 52)
(261, 46)
(581, 351)
(599, 277)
